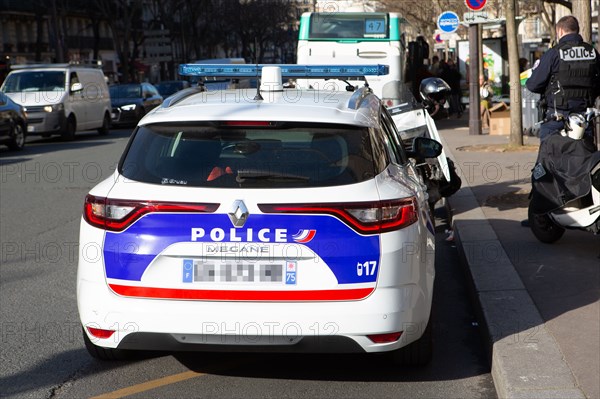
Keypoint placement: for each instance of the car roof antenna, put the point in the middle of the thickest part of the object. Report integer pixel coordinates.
(257, 97)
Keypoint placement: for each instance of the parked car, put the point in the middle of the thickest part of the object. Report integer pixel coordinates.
(262, 220)
(60, 98)
(13, 123)
(131, 101)
(170, 87)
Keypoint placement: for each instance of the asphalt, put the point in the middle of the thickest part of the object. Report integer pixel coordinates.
(538, 303)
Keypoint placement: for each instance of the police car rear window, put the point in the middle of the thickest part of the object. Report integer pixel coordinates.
(233, 155)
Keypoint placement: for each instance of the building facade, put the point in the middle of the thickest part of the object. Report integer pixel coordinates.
(30, 35)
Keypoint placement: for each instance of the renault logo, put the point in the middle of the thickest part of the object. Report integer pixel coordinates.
(239, 213)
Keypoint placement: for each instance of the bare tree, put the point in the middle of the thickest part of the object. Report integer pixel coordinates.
(124, 19)
(516, 121)
(423, 15)
(57, 29)
(257, 23)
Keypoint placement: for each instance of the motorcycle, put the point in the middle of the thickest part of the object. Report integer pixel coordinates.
(413, 118)
(566, 179)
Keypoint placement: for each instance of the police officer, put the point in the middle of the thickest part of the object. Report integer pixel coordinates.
(568, 75)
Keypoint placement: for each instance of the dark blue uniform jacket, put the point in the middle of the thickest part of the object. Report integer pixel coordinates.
(548, 66)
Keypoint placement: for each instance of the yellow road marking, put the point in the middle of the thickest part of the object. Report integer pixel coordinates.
(153, 384)
(168, 380)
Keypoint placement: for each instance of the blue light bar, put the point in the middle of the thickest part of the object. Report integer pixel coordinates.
(287, 70)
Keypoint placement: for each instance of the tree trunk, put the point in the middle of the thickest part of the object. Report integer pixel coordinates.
(56, 28)
(516, 116)
(582, 10)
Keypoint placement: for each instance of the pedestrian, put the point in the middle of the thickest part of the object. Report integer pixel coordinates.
(486, 93)
(523, 64)
(452, 76)
(567, 75)
(435, 65)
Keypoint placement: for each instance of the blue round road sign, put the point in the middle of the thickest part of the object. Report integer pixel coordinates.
(448, 22)
(475, 5)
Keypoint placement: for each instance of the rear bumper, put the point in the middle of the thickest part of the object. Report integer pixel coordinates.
(341, 327)
(172, 342)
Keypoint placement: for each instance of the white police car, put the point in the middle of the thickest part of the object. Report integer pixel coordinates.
(261, 220)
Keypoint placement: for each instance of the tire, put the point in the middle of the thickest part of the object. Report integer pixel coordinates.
(100, 353)
(105, 128)
(17, 138)
(418, 353)
(70, 128)
(139, 115)
(544, 228)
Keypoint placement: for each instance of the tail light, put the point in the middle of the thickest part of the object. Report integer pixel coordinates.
(385, 338)
(364, 217)
(100, 333)
(116, 215)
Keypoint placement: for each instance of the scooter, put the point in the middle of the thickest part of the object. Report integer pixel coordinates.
(566, 180)
(413, 119)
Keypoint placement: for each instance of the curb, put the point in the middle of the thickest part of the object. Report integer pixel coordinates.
(526, 361)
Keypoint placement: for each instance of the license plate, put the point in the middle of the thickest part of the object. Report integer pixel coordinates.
(233, 272)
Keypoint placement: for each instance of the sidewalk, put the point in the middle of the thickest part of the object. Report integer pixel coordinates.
(539, 303)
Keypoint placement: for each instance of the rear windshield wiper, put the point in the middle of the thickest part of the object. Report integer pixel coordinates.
(258, 174)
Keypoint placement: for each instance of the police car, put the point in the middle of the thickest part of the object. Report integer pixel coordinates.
(261, 220)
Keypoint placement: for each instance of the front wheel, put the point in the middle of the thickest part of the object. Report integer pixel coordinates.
(17, 138)
(543, 227)
(70, 129)
(139, 114)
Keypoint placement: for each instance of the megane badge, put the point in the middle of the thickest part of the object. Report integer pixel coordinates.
(239, 213)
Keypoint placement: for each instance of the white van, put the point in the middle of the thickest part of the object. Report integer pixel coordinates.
(60, 98)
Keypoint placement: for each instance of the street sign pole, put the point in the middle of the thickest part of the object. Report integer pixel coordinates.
(474, 99)
(475, 66)
(446, 50)
(447, 23)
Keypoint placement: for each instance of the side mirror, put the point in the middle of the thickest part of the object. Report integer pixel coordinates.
(75, 87)
(424, 147)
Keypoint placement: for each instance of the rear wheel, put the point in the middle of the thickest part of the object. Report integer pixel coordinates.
(105, 128)
(544, 228)
(17, 138)
(101, 353)
(418, 353)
